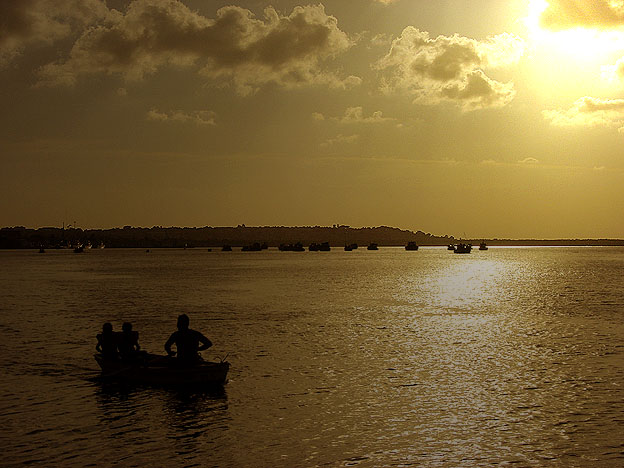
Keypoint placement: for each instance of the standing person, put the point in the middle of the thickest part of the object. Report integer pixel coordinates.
(187, 342)
(107, 342)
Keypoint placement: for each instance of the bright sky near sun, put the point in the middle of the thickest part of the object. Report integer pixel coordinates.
(478, 118)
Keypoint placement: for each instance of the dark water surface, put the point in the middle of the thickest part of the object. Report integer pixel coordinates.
(509, 357)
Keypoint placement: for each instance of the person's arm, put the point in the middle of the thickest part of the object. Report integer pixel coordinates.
(168, 344)
(98, 346)
(205, 342)
(136, 344)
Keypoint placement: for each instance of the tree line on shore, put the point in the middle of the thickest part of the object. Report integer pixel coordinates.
(20, 237)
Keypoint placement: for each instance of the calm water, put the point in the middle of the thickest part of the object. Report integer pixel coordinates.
(510, 357)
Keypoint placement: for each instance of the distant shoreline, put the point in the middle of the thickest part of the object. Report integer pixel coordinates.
(20, 237)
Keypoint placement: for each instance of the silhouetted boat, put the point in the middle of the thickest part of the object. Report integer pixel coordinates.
(255, 247)
(483, 246)
(323, 247)
(348, 248)
(450, 247)
(296, 247)
(79, 249)
(41, 250)
(372, 246)
(411, 246)
(462, 248)
(160, 370)
(226, 248)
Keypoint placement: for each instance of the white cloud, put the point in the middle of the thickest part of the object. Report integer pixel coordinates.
(196, 117)
(529, 161)
(568, 14)
(234, 47)
(356, 115)
(317, 116)
(589, 112)
(449, 68)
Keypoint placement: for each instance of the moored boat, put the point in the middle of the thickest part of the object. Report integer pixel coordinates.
(411, 246)
(462, 248)
(483, 246)
(451, 247)
(161, 370)
(372, 246)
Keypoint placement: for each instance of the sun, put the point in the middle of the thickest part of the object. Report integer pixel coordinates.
(583, 45)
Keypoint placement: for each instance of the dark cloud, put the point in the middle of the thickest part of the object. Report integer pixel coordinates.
(235, 45)
(25, 22)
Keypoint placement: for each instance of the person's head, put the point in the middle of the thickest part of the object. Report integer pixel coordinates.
(107, 328)
(183, 322)
(126, 327)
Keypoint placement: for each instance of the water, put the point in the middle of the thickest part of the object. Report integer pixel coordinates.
(509, 357)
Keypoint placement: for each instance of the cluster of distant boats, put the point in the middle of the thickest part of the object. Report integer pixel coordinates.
(325, 247)
(460, 248)
(78, 247)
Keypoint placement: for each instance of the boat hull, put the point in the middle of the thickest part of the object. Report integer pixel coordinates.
(163, 373)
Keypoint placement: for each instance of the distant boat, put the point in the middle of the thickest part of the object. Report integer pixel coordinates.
(462, 248)
(450, 247)
(255, 247)
(296, 247)
(372, 246)
(348, 248)
(87, 246)
(41, 250)
(226, 248)
(79, 249)
(411, 246)
(323, 247)
(483, 246)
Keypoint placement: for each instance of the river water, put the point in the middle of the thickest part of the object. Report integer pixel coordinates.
(507, 357)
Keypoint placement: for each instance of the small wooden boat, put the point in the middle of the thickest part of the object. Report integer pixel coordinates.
(162, 371)
(372, 246)
(483, 246)
(411, 246)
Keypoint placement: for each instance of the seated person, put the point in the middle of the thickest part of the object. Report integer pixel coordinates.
(107, 342)
(128, 342)
(187, 342)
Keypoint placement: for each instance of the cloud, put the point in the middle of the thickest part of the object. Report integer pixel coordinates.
(235, 46)
(386, 2)
(27, 22)
(449, 68)
(589, 112)
(340, 139)
(356, 115)
(196, 117)
(529, 161)
(568, 14)
(317, 116)
(616, 71)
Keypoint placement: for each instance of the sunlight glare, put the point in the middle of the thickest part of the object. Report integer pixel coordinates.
(582, 45)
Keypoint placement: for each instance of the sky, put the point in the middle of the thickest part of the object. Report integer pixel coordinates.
(473, 118)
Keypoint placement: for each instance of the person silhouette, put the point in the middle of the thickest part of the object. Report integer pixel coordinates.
(187, 342)
(128, 342)
(107, 342)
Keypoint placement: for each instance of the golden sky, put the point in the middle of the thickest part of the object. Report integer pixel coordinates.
(478, 118)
